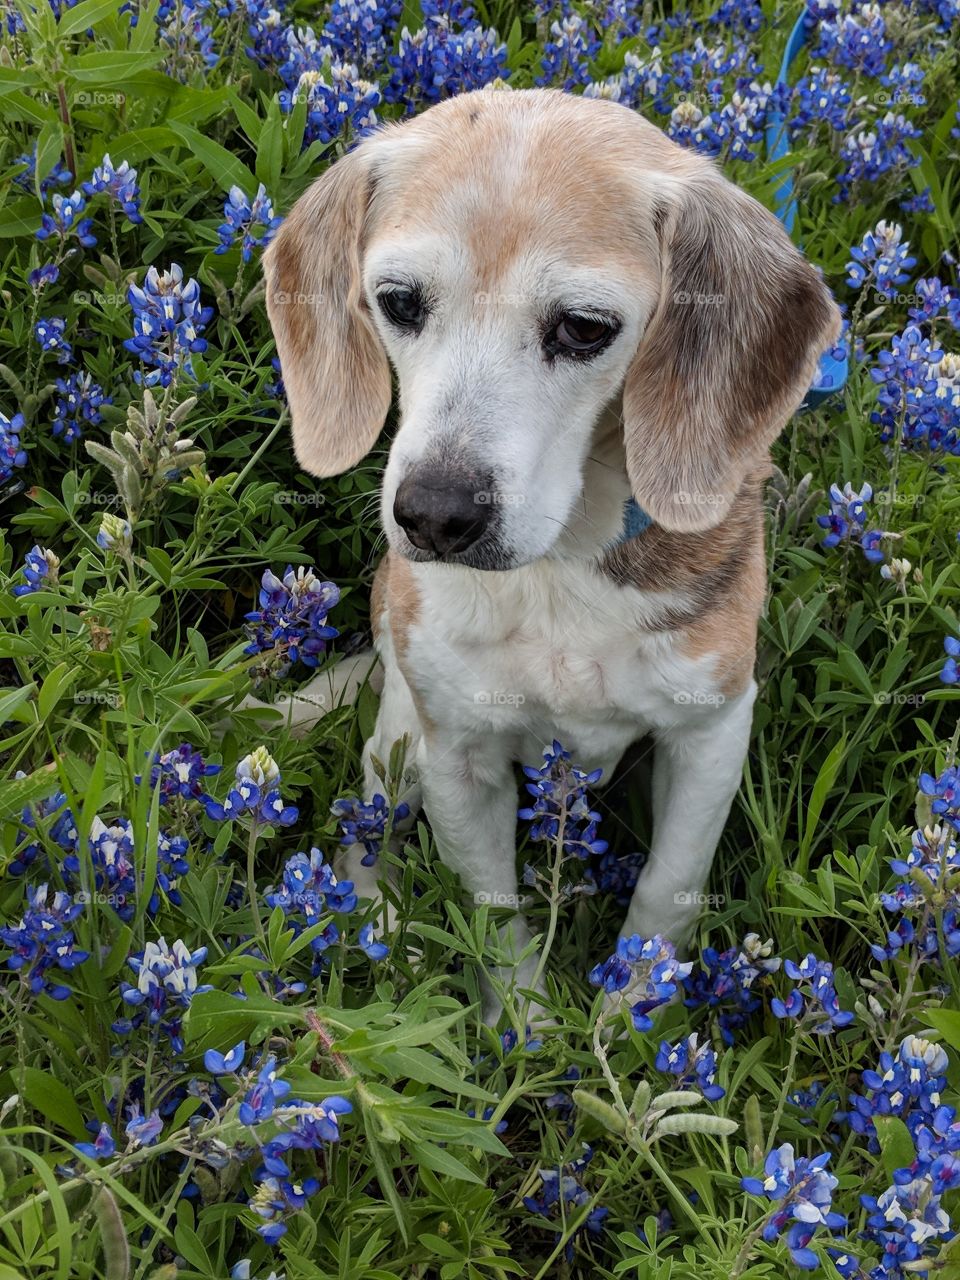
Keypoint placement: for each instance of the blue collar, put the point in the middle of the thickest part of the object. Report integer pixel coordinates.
(635, 520)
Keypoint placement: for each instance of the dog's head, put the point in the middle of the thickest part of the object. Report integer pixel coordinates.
(524, 260)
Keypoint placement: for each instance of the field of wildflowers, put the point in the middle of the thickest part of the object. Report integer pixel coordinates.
(214, 1060)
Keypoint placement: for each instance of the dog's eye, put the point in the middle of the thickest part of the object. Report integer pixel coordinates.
(402, 307)
(579, 335)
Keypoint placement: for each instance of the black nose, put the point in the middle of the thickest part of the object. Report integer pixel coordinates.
(442, 516)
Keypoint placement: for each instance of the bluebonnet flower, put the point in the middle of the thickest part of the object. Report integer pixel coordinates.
(143, 1131)
(66, 220)
(50, 334)
(261, 1099)
(12, 453)
(361, 31)
(908, 1085)
(645, 974)
(846, 519)
(926, 900)
(267, 31)
(694, 1064)
(59, 175)
(168, 320)
(166, 983)
(805, 1191)
(366, 824)
(116, 877)
(368, 943)
(945, 791)
(28, 851)
(951, 647)
(881, 260)
(918, 395)
(291, 622)
(179, 773)
(561, 809)
(568, 51)
(933, 299)
(40, 277)
(103, 1145)
(114, 534)
(904, 1220)
(255, 224)
(78, 404)
(814, 998)
(221, 1064)
(256, 790)
(617, 875)
(727, 982)
(337, 99)
(41, 569)
(510, 1039)
(190, 36)
(440, 60)
(121, 185)
(275, 1197)
(309, 891)
(43, 940)
(866, 155)
(857, 40)
(562, 1193)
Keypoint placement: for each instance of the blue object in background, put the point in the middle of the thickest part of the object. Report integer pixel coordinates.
(832, 373)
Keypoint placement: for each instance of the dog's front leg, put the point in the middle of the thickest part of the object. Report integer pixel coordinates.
(470, 798)
(696, 772)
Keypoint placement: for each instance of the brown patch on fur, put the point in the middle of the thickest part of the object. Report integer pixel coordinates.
(729, 635)
(334, 368)
(378, 595)
(402, 600)
(720, 572)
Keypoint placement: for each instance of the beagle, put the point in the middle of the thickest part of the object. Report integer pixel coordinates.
(579, 313)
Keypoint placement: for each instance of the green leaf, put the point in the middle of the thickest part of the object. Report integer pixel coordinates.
(106, 68)
(216, 1020)
(947, 1022)
(86, 14)
(441, 1160)
(895, 1143)
(57, 682)
(53, 1100)
(12, 700)
(225, 169)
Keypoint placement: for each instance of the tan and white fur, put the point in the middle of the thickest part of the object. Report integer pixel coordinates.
(501, 211)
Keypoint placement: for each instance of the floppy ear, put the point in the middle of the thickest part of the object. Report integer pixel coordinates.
(334, 368)
(726, 358)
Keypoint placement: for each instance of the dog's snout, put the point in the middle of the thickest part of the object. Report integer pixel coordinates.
(441, 515)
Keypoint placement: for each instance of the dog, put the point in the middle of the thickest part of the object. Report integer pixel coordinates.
(579, 314)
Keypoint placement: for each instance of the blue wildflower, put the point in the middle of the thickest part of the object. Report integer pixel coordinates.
(561, 1192)
(881, 260)
(222, 1064)
(166, 983)
(694, 1065)
(40, 277)
(256, 790)
(168, 320)
(806, 1191)
(309, 891)
(43, 940)
(66, 220)
(41, 570)
(78, 404)
(103, 1145)
(255, 224)
(645, 974)
(814, 998)
(59, 175)
(846, 519)
(179, 773)
(727, 982)
(50, 335)
(120, 184)
(561, 809)
(12, 453)
(291, 623)
(949, 673)
(370, 946)
(143, 1131)
(366, 824)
